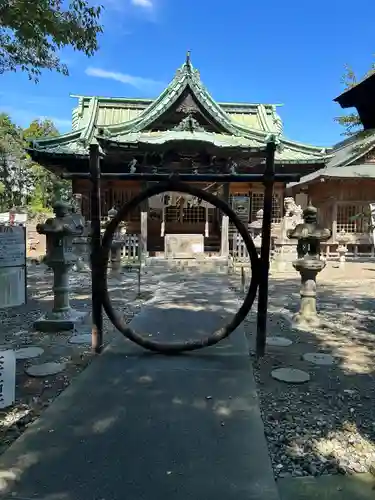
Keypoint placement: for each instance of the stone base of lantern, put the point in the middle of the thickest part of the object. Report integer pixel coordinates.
(300, 320)
(308, 268)
(284, 256)
(60, 321)
(81, 266)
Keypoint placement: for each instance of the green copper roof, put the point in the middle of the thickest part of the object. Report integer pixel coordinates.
(345, 160)
(116, 110)
(126, 120)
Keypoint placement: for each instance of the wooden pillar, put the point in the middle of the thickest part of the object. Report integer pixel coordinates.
(334, 221)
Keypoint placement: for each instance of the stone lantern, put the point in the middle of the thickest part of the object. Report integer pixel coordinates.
(256, 230)
(117, 242)
(60, 232)
(308, 263)
(342, 249)
(81, 243)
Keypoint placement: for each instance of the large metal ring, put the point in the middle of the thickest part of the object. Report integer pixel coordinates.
(189, 345)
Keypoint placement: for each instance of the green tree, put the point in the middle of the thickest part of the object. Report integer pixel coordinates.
(32, 32)
(48, 187)
(16, 176)
(351, 121)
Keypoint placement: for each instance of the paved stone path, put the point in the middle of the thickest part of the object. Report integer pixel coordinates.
(146, 426)
(33, 395)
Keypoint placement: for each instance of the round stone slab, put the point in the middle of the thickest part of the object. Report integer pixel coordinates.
(83, 338)
(278, 341)
(290, 375)
(29, 352)
(45, 369)
(318, 358)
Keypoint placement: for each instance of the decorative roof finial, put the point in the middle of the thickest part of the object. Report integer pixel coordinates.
(188, 58)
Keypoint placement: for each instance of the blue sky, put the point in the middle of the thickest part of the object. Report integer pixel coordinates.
(286, 52)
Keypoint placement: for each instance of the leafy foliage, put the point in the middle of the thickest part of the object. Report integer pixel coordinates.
(48, 187)
(24, 183)
(33, 31)
(16, 177)
(351, 122)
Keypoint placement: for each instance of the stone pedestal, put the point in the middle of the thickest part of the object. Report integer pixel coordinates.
(284, 256)
(342, 250)
(184, 246)
(115, 256)
(308, 269)
(82, 252)
(62, 317)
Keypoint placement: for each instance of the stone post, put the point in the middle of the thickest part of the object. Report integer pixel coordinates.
(224, 250)
(60, 232)
(143, 240)
(342, 248)
(308, 264)
(117, 243)
(79, 242)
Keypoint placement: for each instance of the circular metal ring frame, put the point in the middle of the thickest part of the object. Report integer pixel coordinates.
(189, 345)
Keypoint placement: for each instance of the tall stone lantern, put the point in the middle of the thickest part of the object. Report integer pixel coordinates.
(60, 232)
(308, 264)
(117, 242)
(342, 239)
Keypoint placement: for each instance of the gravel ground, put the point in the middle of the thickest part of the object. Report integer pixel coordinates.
(33, 395)
(326, 426)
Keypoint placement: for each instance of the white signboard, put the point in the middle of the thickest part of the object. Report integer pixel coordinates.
(7, 378)
(12, 266)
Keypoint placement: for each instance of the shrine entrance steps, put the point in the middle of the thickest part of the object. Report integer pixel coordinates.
(143, 426)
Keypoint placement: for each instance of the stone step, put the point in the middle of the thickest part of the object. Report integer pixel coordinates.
(217, 264)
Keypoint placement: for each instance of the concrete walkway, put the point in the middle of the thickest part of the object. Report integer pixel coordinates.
(149, 427)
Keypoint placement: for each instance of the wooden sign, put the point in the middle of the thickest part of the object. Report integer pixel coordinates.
(12, 266)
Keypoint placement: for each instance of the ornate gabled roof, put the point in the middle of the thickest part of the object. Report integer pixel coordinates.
(187, 80)
(140, 126)
(346, 160)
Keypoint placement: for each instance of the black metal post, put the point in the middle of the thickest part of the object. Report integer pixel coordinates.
(96, 256)
(269, 179)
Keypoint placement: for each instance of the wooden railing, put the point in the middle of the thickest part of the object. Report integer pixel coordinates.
(238, 249)
(130, 248)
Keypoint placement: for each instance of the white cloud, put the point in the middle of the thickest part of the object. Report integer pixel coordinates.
(145, 4)
(146, 84)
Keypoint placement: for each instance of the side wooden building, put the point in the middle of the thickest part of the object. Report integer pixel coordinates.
(344, 189)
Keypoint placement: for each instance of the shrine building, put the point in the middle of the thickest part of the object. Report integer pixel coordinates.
(344, 189)
(182, 130)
